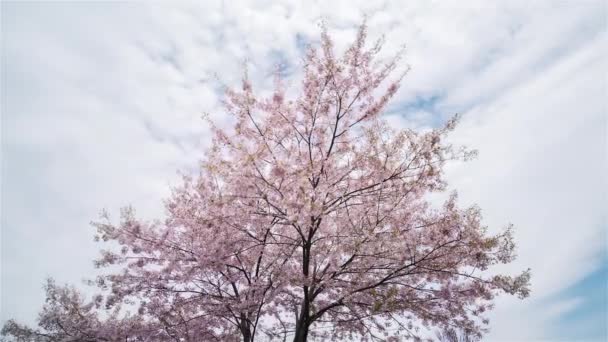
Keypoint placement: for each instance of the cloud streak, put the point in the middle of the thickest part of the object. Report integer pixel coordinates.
(101, 104)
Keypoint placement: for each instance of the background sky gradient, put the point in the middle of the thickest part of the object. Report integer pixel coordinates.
(102, 104)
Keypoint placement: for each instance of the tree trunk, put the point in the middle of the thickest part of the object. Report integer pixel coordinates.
(301, 331)
(246, 335)
(303, 322)
(245, 328)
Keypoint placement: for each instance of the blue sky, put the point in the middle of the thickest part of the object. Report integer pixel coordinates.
(101, 105)
(588, 320)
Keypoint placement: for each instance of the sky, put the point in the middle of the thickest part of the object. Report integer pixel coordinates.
(101, 105)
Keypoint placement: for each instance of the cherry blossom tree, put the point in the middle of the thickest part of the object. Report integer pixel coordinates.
(310, 218)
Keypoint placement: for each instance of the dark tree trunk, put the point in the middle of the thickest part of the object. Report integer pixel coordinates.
(245, 328)
(246, 335)
(304, 320)
(301, 334)
(302, 330)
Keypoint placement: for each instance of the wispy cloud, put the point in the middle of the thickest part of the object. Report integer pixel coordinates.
(101, 104)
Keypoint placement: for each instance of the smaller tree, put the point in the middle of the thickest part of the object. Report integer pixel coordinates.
(66, 316)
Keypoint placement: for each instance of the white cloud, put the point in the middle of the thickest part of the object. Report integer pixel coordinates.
(102, 104)
(541, 144)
